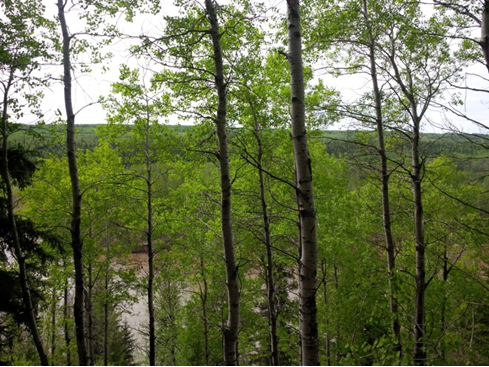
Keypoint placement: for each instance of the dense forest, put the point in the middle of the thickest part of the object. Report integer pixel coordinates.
(213, 216)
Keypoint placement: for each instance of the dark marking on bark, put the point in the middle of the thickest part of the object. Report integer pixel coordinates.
(485, 50)
(292, 11)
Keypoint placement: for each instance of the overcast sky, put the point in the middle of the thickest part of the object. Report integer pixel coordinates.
(88, 87)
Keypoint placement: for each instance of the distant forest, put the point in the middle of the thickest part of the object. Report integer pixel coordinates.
(470, 152)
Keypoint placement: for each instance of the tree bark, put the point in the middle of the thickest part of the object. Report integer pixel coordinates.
(149, 236)
(106, 300)
(76, 242)
(26, 295)
(386, 214)
(89, 311)
(325, 299)
(444, 325)
(485, 32)
(203, 299)
(408, 90)
(267, 238)
(53, 325)
(230, 347)
(419, 316)
(419, 351)
(304, 192)
(66, 316)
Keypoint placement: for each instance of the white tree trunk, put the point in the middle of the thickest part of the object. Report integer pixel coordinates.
(304, 193)
(230, 342)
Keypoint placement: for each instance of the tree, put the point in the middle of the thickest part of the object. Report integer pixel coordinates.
(231, 332)
(304, 192)
(48, 201)
(416, 81)
(21, 54)
(469, 10)
(76, 241)
(143, 106)
(386, 211)
(184, 54)
(405, 84)
(70, 46)
(360, 43)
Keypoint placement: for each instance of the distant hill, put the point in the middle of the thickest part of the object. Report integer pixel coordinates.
(51, 139)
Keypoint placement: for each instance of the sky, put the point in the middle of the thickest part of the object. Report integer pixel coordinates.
(88, 87)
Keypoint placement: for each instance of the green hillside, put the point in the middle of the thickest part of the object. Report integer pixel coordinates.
(50, 139)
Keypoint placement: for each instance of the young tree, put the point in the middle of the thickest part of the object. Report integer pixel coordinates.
(384, 171)
(359, 43)
(200, 85)
(48, 200)
(96, 17)
(417, 76)
(75, 230)
(142, 106)
(231, 332)
(20, 56)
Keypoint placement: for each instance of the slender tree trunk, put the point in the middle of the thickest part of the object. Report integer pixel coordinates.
(299, 257)
(106, 302)
(66, 329)
(26, 295)
(172, 324)
(386, 214)
(419, 327)
(106, 328)
(325, 299)
(76, 242)
(485, 32)
(304, 191)
(336, 286)
(419, 316)
(53, 325)
(419, 333)
(203, 299)
(230, 347)
(444, 305)
(267, 238)
(149, 235)
(89, 307)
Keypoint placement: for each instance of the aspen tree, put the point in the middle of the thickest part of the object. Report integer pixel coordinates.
(304, 192)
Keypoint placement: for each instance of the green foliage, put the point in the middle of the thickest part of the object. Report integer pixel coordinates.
(121, 343)
(352, 303)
